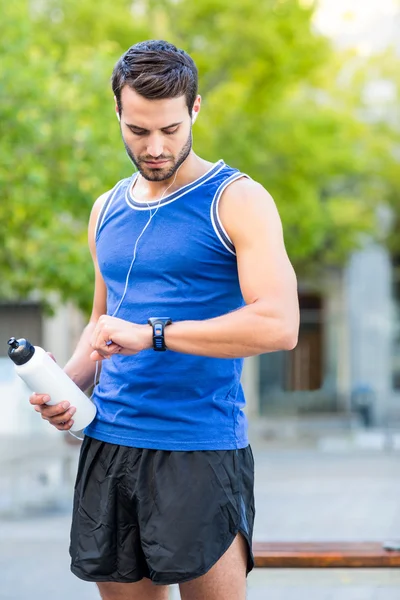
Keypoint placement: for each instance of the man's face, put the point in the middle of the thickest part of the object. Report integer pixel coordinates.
(157, 133)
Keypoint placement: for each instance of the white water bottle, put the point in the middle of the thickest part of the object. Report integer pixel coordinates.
(44, 376)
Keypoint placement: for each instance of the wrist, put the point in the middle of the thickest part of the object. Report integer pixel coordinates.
(147, 337)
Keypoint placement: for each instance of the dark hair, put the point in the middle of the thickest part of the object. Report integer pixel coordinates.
(156, 69)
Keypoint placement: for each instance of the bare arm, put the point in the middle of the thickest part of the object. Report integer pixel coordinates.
(270, 319)
(79, 368)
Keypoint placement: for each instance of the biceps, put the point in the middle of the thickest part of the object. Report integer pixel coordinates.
(265, 273)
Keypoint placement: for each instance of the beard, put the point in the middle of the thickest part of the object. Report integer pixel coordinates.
(163, 173)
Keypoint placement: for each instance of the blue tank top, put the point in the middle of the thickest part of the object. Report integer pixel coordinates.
(185, 268)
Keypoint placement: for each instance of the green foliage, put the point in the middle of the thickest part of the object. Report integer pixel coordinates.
(275, 104)
(60, 149)
(385, 115)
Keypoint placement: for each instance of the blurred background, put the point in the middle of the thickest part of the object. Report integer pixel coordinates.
(304, 97)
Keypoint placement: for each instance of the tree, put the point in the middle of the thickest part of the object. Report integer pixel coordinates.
(275, 106)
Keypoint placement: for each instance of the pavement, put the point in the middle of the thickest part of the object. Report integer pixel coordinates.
(307, 488)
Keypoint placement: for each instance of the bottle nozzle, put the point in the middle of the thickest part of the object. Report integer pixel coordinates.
(20, 351)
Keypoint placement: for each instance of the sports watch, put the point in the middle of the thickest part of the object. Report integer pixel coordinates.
(159, 324)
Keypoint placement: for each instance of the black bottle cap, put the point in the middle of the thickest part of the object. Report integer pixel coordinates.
(20, 351)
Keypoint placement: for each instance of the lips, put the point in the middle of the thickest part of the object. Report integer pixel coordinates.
(155, 164)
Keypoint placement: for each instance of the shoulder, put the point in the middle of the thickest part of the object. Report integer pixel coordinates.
(100, 202)
(98, 206)
(245, 190)
(246, 205)
(98, 210)
(94, 219)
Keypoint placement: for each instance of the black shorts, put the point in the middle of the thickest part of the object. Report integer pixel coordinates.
(165, 515)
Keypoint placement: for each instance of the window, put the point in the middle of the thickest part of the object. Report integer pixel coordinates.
(302, 369)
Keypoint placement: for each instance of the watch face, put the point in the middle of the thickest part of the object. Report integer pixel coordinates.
(165, 320)
(158, 324)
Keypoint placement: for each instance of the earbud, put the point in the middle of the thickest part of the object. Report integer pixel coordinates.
(194, 116)
(118, 116)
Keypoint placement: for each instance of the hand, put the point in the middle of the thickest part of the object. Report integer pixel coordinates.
(58, 415)
(116, 336)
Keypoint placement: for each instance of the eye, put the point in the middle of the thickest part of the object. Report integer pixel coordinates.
(170, 131)
(139, 132)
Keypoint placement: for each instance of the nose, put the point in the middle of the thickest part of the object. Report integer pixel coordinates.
(155, 145)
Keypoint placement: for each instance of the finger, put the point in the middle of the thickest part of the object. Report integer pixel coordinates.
(52, 356)
(63, 418)
(39, 398)
(64, 426)
(48, 412)
(128, 352)
(95, 335)
(105, 347)
(101, 353)
(95, 356)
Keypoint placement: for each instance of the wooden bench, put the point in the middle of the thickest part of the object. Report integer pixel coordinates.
(322, 555)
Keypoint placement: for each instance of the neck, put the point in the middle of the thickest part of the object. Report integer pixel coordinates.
(192, 168)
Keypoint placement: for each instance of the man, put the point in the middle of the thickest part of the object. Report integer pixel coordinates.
(191, 276)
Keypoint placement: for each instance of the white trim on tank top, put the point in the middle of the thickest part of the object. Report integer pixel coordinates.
(214, 214)
(102, 215)
(212, 171)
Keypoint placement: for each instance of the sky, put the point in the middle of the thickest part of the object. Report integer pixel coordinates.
(368, 25)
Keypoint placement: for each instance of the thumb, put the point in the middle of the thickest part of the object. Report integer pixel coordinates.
(96, 356)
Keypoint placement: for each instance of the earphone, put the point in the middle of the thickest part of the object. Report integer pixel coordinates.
(152, 215)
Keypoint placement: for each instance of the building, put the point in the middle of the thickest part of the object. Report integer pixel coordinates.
(347, 358)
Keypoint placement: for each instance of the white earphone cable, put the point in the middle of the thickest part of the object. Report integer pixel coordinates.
(152, 215)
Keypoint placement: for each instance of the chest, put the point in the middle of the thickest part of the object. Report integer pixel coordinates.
(178, 241)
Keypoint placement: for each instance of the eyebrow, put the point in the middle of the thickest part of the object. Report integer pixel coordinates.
(131, 126)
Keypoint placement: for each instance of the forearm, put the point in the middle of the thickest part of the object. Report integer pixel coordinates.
(253, 329)
(81, 368)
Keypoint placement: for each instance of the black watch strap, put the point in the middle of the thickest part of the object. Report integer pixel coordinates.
(159, 324)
